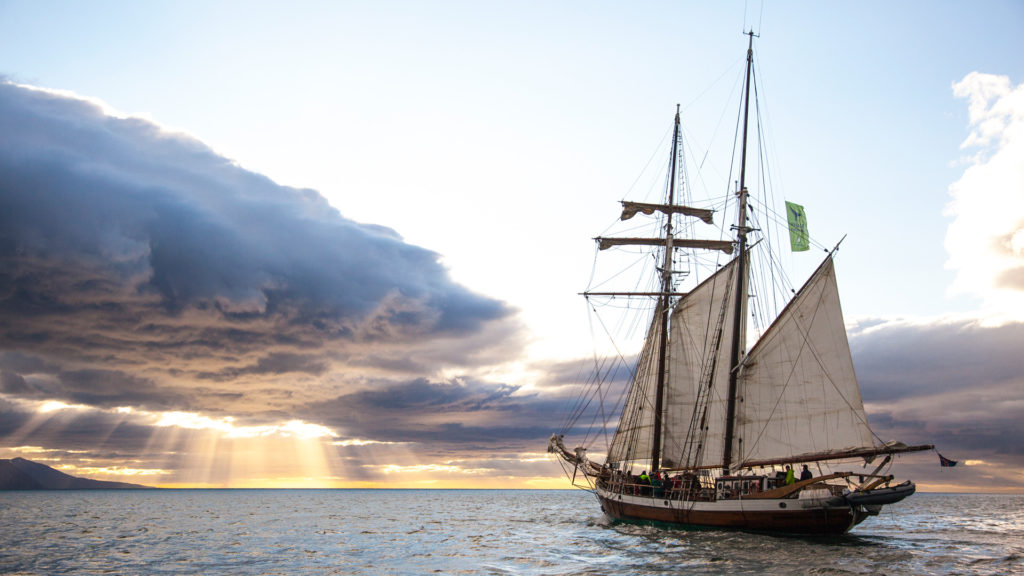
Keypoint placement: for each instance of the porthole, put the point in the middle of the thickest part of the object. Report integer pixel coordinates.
(782, 504)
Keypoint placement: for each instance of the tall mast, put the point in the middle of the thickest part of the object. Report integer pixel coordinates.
(741, 271)
(663, 304)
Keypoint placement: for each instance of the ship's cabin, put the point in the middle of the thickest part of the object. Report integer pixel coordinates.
(730, 487)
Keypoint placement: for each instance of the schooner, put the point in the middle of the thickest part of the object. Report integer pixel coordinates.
(711, 433)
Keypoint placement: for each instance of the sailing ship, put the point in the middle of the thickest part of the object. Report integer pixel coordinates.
(710, 433)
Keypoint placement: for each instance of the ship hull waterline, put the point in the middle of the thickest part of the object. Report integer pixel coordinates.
(782, 516)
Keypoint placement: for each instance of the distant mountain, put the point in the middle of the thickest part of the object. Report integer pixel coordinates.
(21, 474)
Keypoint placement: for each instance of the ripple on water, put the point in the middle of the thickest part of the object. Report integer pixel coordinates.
(471, 532)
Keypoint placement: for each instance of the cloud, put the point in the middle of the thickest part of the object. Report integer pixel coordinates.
(449, 416)
(985, 241)
(73, 429)
(141, 262)
(955, 384)
(900, 359)
(139, 268)
(146, 217)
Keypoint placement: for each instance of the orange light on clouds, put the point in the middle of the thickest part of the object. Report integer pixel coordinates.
(194, 450)
(56, 405)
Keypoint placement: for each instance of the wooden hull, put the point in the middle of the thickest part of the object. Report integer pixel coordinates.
(783, 516)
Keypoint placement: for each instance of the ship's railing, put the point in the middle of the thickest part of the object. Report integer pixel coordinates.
(690, 487)
(678, 488)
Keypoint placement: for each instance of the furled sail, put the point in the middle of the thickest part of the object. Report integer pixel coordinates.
(798, 393)
(696, 397)
(630, 209)
(634, 437)
(723, 245)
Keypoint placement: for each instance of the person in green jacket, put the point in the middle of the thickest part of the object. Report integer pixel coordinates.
(790, 476)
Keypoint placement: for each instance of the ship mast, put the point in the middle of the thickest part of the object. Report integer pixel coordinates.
(741, 271)
(663, 304)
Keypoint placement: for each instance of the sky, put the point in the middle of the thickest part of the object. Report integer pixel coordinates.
(341, 243)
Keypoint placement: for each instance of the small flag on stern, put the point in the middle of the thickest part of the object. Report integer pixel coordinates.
(799, 239)
(946, 462)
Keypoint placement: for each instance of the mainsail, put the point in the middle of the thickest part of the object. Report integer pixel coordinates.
(695, 397)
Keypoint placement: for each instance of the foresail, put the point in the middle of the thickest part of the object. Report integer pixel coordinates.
(798, 393)
(696, 396)
(633, 439)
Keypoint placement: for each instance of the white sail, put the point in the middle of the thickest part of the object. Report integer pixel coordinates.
(702, 327)
(797, 392)
(633, 439)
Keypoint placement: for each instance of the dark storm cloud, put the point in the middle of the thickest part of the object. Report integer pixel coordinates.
(108, 389)
(901, 360)
(958, 385)
(132, 207)
(27, 364)
(276, 363)
(11, 383)
(138, 267)
(449, 416)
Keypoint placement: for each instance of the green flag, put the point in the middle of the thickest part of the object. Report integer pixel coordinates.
(799, 239)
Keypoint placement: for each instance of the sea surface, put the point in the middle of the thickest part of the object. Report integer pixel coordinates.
(471, 532)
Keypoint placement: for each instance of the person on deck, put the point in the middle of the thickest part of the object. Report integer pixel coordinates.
(806, 474)
(657, 485)
(790, 476)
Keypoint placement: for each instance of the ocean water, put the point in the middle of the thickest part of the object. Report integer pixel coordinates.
(471, 532)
